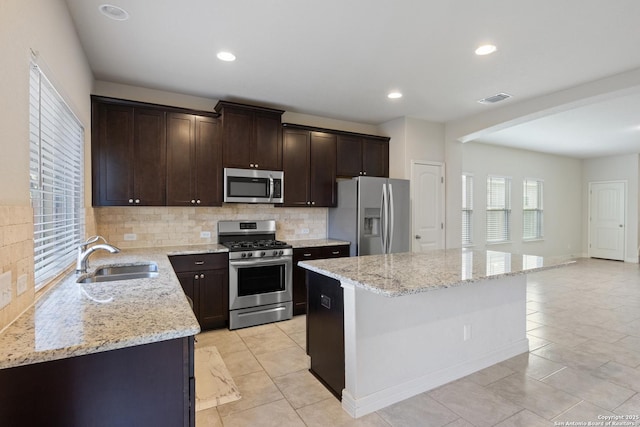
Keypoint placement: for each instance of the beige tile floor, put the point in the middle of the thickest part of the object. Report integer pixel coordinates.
(584, 363)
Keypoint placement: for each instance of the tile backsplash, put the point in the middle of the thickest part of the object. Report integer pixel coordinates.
(16, 259)
(145, 226)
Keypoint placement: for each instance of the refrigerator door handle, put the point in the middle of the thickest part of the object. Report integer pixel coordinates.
(391, 218)
(383, 218)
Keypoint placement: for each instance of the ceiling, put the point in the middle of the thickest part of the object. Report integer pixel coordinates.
(339, 59)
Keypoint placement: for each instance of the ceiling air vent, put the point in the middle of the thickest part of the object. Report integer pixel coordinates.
(495, 98)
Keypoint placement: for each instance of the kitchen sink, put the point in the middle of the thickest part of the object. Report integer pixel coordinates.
(112, 273)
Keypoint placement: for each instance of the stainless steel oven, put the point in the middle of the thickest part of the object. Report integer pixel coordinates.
(260, 273)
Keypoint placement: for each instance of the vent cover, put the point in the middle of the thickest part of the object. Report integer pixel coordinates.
(495, 98)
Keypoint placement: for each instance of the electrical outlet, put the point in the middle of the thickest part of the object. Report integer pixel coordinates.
(22, 284)
(304, 231)
(130, 236)
(5, 289)
(205, 234)
(467, 332)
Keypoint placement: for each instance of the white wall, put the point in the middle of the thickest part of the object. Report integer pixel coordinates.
(562, 178)
(45, 27)
(413, 139)
(616, 168)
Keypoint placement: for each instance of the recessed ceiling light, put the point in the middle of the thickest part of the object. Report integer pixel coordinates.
(114, 12)
(226, 56)
(486, 49)
(394, 95)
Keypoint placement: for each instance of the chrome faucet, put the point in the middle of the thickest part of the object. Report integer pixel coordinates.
(83, 252)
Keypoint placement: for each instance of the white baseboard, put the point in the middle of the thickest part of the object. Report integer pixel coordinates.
(365, 405)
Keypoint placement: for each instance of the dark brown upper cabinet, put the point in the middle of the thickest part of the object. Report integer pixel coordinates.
(154, 155)
(309, 163)
(128, 147)
(252, 136)
(362, 156)
(194, 160)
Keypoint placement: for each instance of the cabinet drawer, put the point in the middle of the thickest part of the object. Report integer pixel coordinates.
(304, 254)
(335, 251)
(199, 262)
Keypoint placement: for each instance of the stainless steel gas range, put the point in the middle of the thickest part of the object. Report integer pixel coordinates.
(260, 273)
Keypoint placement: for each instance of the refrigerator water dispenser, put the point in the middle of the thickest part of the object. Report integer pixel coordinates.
(371, 222)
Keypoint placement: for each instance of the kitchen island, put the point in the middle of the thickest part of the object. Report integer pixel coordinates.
(393, 326)
(108, 353)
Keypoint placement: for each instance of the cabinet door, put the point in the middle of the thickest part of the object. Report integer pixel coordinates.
(187, 281)
(237, 138)
(322, 171)
(349, 156)
(113, 155)
(375, 157)
(296, 156)
(214, 298)
(208, 161)
(181, 159)
(149, 157)
(267, 149)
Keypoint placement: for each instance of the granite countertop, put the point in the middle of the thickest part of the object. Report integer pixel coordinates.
(409, 273)
(312, 243)
(72, 319)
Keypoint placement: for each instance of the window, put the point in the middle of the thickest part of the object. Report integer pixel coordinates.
(56, 178)
(532, 209)
(467, 209)
(498, 209)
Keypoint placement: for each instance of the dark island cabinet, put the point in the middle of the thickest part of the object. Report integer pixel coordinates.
(299, 282)
(252, 136)
(146, 385)
(362, 156)
(194, 160)
(205, 280)
(309, 164)
(128, 155)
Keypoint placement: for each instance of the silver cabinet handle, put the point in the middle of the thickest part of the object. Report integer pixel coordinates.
(130, 200)
(198, 202)
(195, 277)
(137, 201)
(250, 165)
(306, 254)
(202, 276)
(199, 262)
(335, 252)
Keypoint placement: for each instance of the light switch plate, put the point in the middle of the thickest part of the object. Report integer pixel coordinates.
(130, 236)
(205, 234)
(5, 289)
(22, 284)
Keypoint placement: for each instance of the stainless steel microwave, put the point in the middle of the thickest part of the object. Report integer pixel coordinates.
(253, 186)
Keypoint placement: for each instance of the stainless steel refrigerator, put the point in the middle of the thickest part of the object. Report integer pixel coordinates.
(373, 214)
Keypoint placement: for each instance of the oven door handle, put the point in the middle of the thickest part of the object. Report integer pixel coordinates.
(256, 262)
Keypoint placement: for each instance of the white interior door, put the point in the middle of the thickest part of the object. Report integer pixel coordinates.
(427, 188)
(607, 219)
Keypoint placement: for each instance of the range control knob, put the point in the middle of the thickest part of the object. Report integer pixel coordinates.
(280, 252)
(263, 253)
(275, 253)
(243, 255)
(250, 254)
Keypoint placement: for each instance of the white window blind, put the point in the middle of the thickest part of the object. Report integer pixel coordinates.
(467, 209)
(56, 178)
(532, 220)
(498, 209)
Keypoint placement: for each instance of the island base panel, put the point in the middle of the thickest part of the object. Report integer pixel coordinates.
(325, 331)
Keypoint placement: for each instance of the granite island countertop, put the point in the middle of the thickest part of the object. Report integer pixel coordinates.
(408, 273)
(72, 319)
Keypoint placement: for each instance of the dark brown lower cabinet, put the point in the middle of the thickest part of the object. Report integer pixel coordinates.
(307, 254)
(325, 331)
(145, 385)
(205, 279)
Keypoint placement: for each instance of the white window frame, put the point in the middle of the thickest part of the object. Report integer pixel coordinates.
(498, 211)
(56, 172)
(535, 209)
(467, 209)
